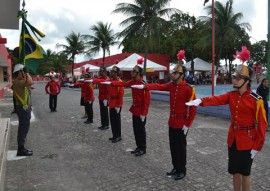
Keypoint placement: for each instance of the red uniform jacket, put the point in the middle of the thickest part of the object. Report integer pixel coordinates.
(180, 113)
(89, 92)
(116, 95)
(54, 87)
(141, 97)
(103, 93)
(245, 111)
(81, 85)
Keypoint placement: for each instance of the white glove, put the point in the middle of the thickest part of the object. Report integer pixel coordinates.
(195, 102)
(80, 80)
(185, 129)
(106, 83)
(90, 102)
(138, 86)
(253, 153)
(105, 102)
(117, 109)
(142, 117)
(89, 80)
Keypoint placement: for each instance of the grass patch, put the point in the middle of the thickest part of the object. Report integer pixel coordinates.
(128, 94)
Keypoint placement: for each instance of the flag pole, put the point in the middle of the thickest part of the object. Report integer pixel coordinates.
(213, 47)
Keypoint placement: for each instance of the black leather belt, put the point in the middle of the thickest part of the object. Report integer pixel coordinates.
(242, 127)
(179, 116)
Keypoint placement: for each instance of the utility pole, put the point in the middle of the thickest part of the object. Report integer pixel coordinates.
(268, 47)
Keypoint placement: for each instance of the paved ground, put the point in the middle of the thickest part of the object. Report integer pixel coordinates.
(72, 156)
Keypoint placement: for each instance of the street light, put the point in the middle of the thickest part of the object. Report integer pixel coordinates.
(213, 44)
(57, 45)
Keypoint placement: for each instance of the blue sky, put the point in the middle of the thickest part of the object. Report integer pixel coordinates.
(57, 18)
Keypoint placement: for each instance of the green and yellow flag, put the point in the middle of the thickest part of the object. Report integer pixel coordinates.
(30, 52)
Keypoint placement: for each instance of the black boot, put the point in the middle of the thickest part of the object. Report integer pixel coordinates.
(24, 152)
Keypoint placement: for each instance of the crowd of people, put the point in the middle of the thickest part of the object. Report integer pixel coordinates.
(248, 112)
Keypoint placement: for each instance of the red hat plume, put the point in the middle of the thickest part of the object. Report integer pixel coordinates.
(116, 61)
(181, 55)
(244, 55)
(82, 71)
(87, 69)
(140, 61)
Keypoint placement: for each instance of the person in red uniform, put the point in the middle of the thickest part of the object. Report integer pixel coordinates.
(181, 116)
(115, 105)
(80, 83)
(88, 97)
(103, 97)
(139, 107)
(248, 123)
(53, 88)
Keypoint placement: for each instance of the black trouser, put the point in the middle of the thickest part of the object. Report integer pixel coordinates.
(53, 102)
(104, 114)
(266, 109)
(89, 111)
(24, 124)
(139, 132)
(178, 146)
(115, 119)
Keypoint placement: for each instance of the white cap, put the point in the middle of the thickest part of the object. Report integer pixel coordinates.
(18, 67)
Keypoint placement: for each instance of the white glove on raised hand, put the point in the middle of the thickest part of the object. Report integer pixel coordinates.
(105, 102)
(80, 80)
(185, 129)
(90, 102)
(106, 83)
(142, 117)
(195, 102)
(137, 86)
(253, 153)
(117, 109)
(89, 80)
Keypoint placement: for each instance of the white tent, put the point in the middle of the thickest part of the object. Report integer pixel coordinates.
(49, 74)
(128, 64)
(91, 67)
(199, 65)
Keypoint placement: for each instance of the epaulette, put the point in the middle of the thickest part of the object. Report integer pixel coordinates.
(255, 95)
(144, 82)
(190, 85)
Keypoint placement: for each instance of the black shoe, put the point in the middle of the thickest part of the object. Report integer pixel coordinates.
(179, 176)
(88, 122)
(117, 139)
(55, 110)
(104, 128)
(173, 172)
(140, 153)
(24, 152)
(112, 138)
(134, 151)
(267, 130)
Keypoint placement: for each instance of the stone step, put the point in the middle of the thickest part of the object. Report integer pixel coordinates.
(4, 140)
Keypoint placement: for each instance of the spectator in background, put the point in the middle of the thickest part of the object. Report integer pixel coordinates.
(263, 91)
(53, 88)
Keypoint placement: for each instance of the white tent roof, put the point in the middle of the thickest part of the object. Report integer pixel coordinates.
(90, 66)
(50, 73)
(199, 65)
(128, 64)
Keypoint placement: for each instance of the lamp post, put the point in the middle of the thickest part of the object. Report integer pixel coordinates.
(213, 47)
(268, 47)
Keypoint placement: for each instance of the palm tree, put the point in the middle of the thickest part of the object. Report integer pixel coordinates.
(75, 47)
(145, 19)
(103, 37)
(227, 24)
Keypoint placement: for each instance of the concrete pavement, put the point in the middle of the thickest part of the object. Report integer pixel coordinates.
(72, 156)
